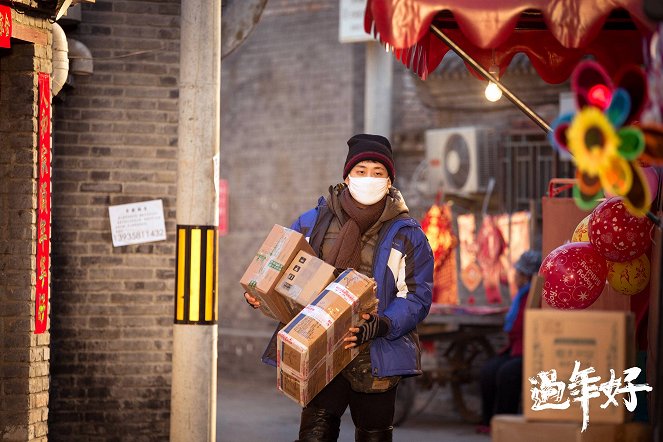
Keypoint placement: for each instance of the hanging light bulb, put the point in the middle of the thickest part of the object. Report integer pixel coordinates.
(493, 92)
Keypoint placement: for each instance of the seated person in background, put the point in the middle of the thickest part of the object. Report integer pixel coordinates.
(501, 376)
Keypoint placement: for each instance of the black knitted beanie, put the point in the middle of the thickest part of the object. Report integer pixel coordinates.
(364, 147)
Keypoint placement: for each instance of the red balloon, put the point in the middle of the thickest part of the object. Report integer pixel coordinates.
(574, 276)
(617, 235)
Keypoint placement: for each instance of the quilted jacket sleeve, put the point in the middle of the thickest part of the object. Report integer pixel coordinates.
(411, 263)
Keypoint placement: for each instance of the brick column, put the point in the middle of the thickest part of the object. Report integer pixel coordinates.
(24, 356)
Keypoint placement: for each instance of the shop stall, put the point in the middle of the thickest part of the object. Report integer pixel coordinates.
(614, 137)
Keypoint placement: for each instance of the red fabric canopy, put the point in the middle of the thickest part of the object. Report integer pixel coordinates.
(555, 34)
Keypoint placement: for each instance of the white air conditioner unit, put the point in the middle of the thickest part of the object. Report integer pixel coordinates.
(461, 160)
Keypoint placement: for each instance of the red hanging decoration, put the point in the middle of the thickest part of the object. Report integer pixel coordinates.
(470, 272)
(437, 225)
(491, 246)
(43, 205)
(5, 26)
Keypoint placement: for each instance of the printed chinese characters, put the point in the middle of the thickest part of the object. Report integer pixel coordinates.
(548, 393)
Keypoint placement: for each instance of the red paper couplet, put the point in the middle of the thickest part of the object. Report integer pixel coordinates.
(5, 26)
(43, 204)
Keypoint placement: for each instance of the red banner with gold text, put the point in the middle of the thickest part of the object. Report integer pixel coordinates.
(43, 204)
(5, 26)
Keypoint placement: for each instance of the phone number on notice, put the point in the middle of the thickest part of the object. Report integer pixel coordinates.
(140, 234)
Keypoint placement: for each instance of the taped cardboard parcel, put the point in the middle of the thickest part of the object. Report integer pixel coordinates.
(555, 339)
(302, 282)
(302, 390)
(310, 347)
(267, 267)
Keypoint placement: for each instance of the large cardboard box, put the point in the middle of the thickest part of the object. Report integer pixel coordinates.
(267, 267)
(302, 390)
(555, 339)
(310, 347)
(509, 428)
(302, 282)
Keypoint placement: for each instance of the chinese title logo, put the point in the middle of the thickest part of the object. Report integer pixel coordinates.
(548, 393)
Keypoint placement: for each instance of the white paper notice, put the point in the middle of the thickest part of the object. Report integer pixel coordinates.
(137, 223)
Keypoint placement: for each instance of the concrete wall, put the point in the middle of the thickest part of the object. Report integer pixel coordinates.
(115, 143)
(24, 356)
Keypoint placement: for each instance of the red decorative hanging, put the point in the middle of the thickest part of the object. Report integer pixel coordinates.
(491, 246)
(43, 205)
(437, 224)
(5, 26)
(554, 35)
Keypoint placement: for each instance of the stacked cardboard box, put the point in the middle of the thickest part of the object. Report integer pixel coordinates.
(303, 281)
(555, 340)
(270, 263)
(310, 348)
(506, 428)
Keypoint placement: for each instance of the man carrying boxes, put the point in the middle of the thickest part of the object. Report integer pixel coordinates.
(362, 229)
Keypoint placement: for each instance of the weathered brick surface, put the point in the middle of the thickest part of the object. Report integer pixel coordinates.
(115, 142)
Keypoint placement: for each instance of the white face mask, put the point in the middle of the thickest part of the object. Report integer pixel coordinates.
(368, 190)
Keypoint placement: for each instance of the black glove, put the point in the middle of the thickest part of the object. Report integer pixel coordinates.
(374, 327)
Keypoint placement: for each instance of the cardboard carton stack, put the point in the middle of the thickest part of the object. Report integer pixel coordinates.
(310, 347)
(266, 269)
(295, 287)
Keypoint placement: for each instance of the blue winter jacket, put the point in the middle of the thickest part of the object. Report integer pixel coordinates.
(403, 270)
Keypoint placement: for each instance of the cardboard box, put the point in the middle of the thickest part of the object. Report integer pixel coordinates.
(269, 264)
(302, 390)
(310, 347)
(508, 428)
(302, 282)
(315, 332)
(555, 339)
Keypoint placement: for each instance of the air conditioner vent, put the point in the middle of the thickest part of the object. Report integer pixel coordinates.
(461, 159)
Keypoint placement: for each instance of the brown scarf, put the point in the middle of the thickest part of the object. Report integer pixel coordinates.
(346, 251)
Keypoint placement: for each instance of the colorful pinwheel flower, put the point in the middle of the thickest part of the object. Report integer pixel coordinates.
(601, 141)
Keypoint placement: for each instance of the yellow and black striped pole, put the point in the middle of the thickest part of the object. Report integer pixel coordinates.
(196, 278)
(195, 328)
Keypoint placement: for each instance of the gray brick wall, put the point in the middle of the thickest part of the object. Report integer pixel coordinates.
(115, 142)
(24, 356)
(288, 100)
